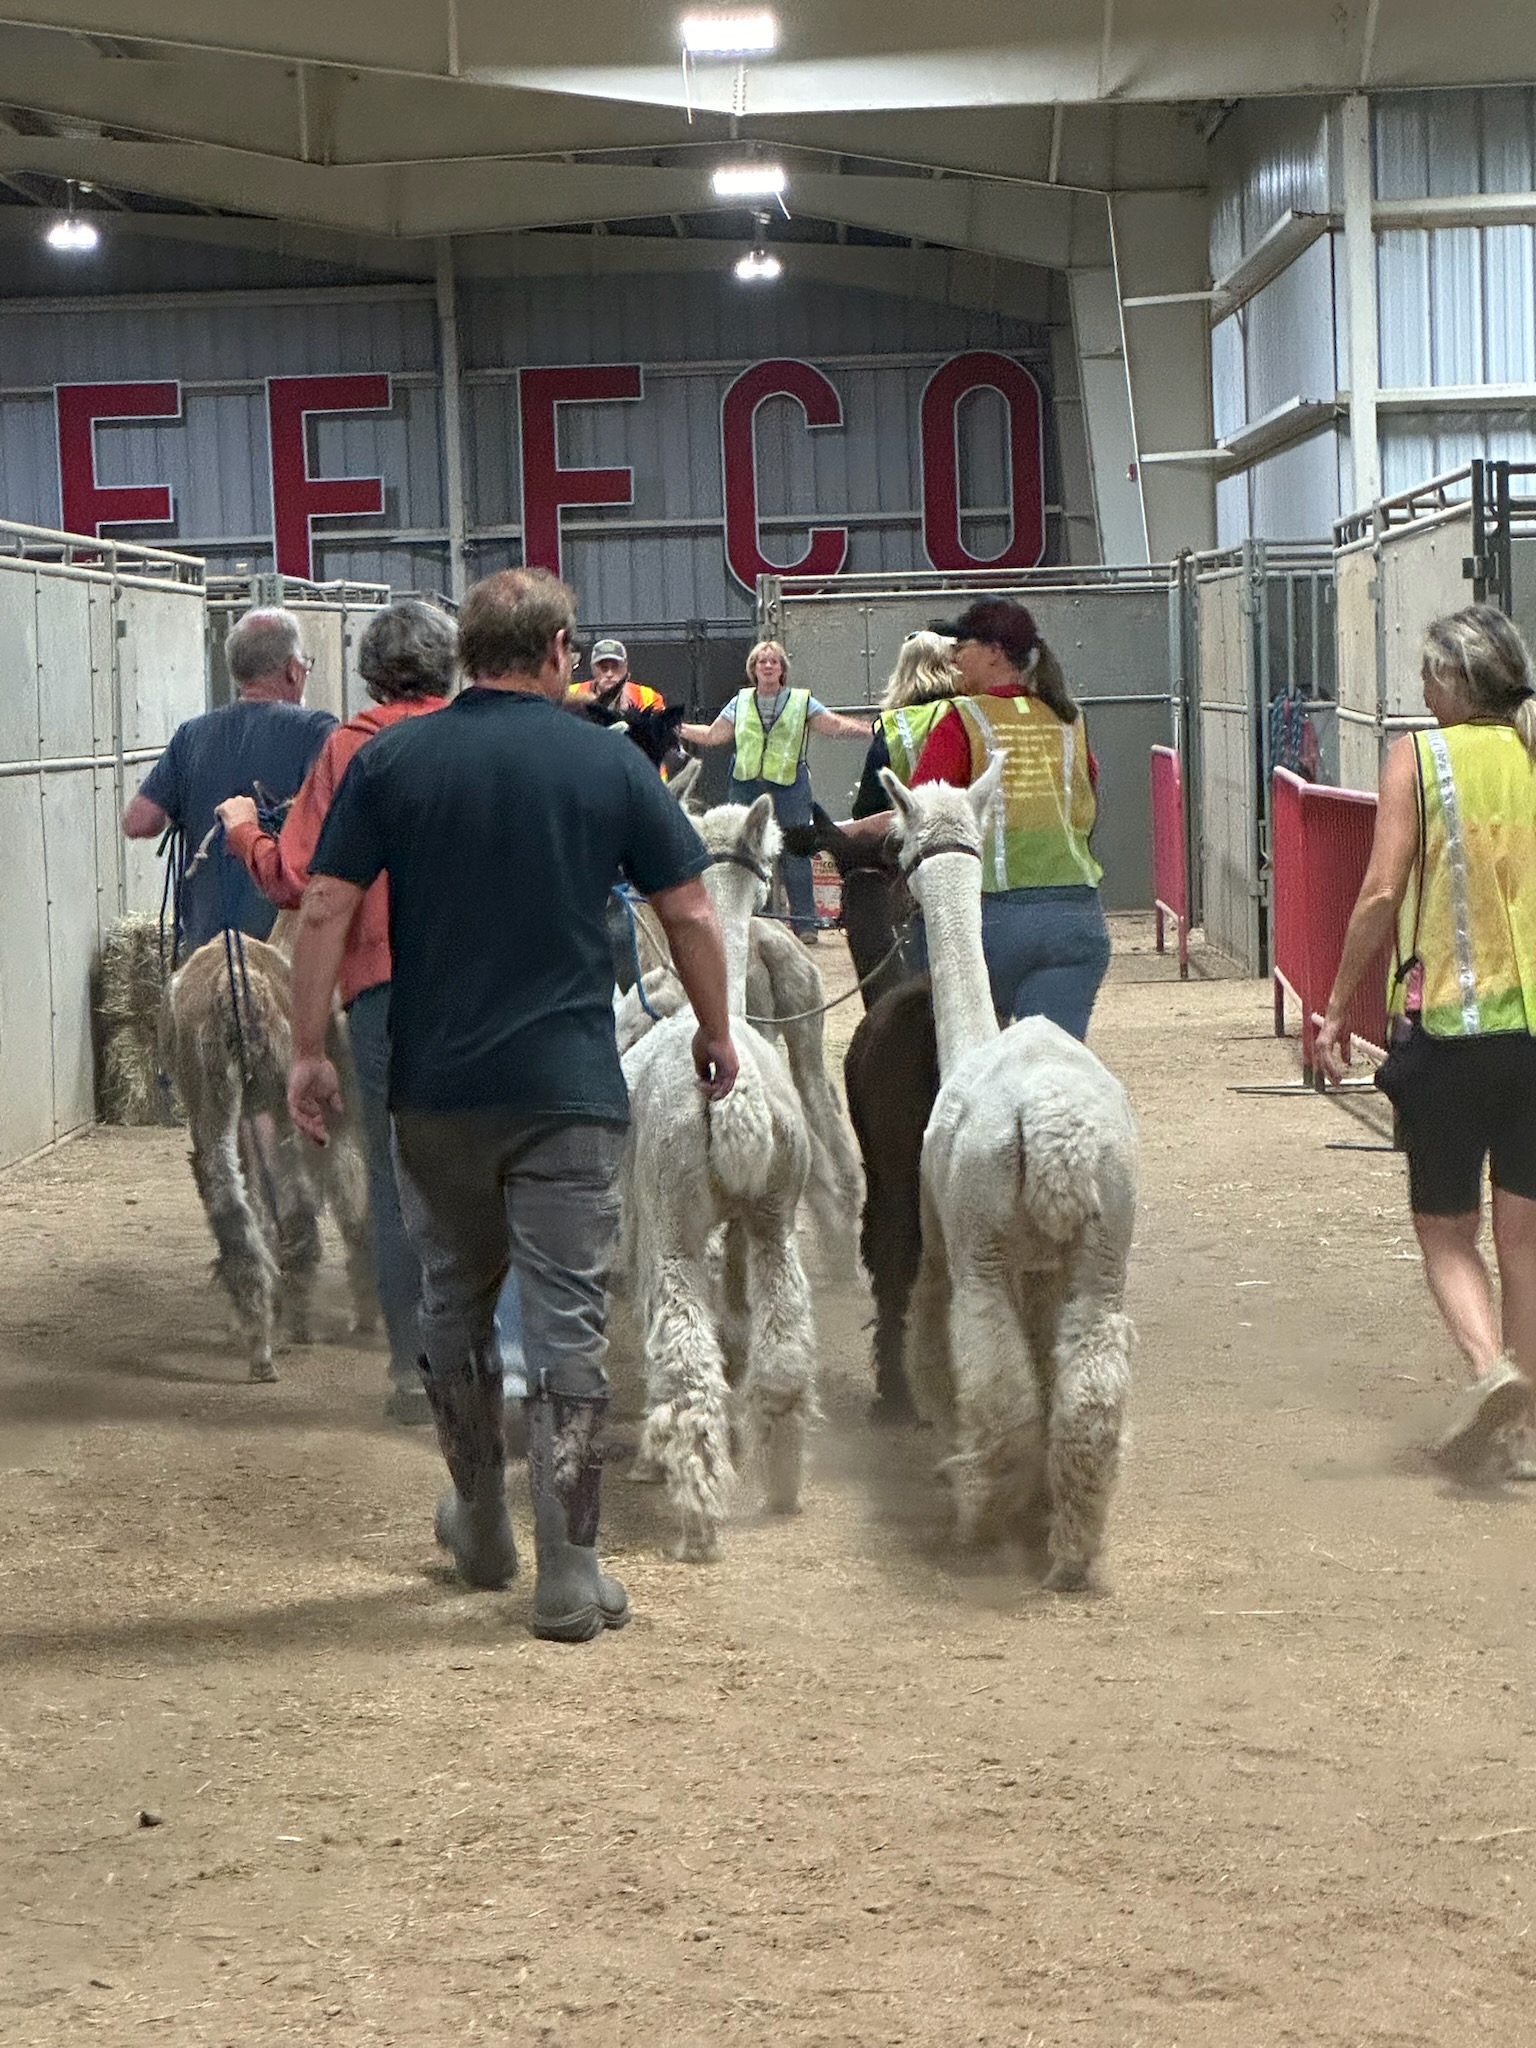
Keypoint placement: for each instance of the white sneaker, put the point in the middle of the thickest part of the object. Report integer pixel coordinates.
(1501, 1397)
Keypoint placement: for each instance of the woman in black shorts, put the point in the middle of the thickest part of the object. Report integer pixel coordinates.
(1453, 869)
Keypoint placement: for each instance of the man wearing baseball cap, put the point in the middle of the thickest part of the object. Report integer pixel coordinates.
(611, 688)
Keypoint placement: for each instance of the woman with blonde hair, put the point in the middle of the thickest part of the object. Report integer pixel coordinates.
(1453, 874)
(916, 693)
(770, 725)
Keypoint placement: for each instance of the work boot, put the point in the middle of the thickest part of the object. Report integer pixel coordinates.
(573, 1599)
(471, 1519)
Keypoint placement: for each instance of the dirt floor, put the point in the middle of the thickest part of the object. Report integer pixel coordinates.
(1271, 1787)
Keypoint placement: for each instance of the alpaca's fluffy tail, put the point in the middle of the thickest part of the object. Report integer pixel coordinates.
(1059, 1152)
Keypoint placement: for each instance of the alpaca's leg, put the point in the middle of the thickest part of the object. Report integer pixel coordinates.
(836, 1180)
(997, 1429)
(244, 1266)
(687, 1434)
(735, 1303)
(1087, 1421)
(892, 1247)
(345, 1167)
(779, 1392)
(297, 1198)
(926, 1355)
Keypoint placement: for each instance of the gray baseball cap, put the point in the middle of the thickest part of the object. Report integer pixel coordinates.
(610, 650)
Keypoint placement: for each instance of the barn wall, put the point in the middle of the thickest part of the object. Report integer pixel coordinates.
(659, 560)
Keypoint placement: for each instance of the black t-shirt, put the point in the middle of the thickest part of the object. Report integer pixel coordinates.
(227, 753)
(503, 823)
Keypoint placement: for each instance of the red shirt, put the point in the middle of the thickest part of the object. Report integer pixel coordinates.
(279, 863)
(946, 755)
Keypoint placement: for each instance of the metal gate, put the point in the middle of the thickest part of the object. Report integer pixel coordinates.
(1257, 639)
(1108, 627)
(334, 617)
(101, 657)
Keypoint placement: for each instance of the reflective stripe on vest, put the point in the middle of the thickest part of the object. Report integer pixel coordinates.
(1477, 922)
(906, 733)
(771, 755)
(1040, 828)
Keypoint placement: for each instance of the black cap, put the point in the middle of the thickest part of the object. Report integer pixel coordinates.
(950, 628)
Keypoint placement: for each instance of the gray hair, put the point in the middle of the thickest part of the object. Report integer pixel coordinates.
(408, 651)
(260, 643)
(1478, 654)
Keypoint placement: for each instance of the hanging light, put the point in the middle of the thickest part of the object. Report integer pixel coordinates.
(749, 181)
(759, 266)
(73, 233)
(730, 35)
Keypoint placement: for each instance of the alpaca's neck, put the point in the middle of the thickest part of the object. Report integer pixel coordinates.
(948, 888)
(734, 894)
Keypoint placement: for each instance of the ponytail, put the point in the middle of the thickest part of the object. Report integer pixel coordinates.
(1525, 724)
(1046, 681)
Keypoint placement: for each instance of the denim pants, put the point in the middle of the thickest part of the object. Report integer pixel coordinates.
(791, 806)
(483, 1191)
(1047, 951)
(395, 1263)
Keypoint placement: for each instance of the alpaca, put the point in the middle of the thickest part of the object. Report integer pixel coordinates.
(1017, 1343)
(876, 905)
(692, 1166)
(233, 1082)
(891, 1077)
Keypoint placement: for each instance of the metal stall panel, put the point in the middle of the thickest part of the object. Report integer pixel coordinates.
(1421, 579)
(160, 632)
(1111, 637)
(1229, 807)
(26, 1033)
(1355, 584)
(1522, 587)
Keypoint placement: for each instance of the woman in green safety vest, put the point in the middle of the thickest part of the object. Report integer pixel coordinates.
(919, 687)
(769, 725)
(1453, 872)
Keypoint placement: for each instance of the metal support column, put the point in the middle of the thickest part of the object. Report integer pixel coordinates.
(1360, 276)
(452, 415)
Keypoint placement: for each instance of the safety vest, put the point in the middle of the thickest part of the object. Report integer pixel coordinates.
(906, 733)
(772, 755)
(631, 696)
(1472, 901)
(1039, 834)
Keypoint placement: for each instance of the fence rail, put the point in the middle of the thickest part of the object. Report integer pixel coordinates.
(1320, 847)
(1170, 866)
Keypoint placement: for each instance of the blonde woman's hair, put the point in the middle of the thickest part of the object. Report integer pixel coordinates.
(923, 673)
(766, 647)
(1479, 656)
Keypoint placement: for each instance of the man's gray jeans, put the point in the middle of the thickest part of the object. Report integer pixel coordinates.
(485, 1189)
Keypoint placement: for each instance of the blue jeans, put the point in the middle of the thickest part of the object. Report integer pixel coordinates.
(1046, 950)
(396, 1265)
(791, 806)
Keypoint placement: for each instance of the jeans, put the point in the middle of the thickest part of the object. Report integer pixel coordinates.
(1046, 950)
(395, 1263)
(791, 806)
(485, 1190)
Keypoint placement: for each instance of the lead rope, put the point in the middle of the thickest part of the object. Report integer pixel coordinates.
(238, 974)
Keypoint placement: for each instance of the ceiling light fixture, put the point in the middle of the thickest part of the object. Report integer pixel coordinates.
(749, 181)
(730, 35)
(759, 266)
(72, 234)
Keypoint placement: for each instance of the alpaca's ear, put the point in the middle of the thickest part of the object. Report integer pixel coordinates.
(986, 790)
(680, 788)
(898, 793)
(759, 820)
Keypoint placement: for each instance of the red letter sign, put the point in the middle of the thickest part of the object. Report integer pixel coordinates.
(780, 377)
(546, 486)
(977, 370)
(297, 497)
(84, 505)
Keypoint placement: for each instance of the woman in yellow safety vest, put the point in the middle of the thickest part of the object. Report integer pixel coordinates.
(769, 725)
(1453, 870)
(1042, 925)
(916, 693)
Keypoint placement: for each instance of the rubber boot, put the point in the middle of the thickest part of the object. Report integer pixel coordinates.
(471, 1519)
(573, 1599)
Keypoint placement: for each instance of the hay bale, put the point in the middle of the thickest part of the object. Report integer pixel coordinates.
(128, 993)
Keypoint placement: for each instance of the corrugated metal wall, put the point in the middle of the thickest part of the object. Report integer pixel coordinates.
(693, 335)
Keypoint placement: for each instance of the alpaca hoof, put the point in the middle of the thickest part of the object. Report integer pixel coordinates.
(785, 1503)
(892, 1411)
(698, 1546)
(263, 1371)
(645, 1470)
(1067, 1575)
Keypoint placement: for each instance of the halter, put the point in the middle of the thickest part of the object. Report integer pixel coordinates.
(742, 860)
(910, 867)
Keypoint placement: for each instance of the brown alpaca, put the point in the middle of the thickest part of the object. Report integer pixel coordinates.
(262, 1183)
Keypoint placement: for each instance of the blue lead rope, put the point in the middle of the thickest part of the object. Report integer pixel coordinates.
(623, 897)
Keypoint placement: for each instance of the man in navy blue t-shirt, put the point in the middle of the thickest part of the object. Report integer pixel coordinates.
(502, 824)
(264, 737)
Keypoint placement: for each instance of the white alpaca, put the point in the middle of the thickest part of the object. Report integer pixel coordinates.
(1017, 1344)
(691, 1166)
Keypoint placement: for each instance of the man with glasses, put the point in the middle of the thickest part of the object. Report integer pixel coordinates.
(261, 746)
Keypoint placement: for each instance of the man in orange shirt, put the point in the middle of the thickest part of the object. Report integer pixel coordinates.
(612, 688)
